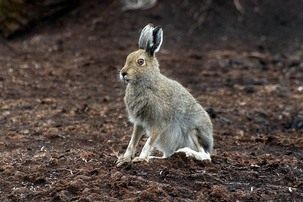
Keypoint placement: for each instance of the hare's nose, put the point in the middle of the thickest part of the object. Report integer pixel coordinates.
(123, 74)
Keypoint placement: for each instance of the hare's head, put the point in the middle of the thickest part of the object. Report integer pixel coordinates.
(142, 65)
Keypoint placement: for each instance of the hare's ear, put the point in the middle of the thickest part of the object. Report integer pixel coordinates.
(146, 36)
(155, 43)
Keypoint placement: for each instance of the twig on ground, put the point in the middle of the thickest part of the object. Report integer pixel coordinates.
(239, 6)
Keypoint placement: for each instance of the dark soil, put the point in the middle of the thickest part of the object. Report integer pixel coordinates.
(63, 121)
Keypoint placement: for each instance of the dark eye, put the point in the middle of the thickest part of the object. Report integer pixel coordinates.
(140, 61)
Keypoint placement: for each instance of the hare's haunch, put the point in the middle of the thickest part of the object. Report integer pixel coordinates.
(173, 120)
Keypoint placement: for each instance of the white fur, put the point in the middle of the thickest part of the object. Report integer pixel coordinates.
(197, 155)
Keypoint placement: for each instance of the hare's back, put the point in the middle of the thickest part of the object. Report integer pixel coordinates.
(180, 93)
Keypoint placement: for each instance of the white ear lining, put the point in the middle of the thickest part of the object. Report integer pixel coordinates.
(161, 40)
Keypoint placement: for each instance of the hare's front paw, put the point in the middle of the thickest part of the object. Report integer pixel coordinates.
(123, 159)
(140, 159)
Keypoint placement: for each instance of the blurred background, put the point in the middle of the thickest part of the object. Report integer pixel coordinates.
(253, 21)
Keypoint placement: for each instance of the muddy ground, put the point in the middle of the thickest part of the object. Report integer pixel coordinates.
(63, 121)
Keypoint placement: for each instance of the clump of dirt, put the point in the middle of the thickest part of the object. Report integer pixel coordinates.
(63, 121)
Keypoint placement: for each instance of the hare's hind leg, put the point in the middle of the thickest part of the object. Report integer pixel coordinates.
(194, 149)
(201, 155)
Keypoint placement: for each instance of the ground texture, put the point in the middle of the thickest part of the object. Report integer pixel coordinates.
(63, 121)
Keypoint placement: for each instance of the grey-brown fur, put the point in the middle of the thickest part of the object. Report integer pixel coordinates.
(173, 120)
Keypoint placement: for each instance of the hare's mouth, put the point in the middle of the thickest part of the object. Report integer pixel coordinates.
(125, 78)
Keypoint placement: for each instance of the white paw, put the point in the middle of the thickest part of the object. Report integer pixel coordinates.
(123, 159)
(197, 155)
(140, 159)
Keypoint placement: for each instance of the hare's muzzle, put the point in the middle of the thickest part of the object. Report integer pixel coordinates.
(124, 77)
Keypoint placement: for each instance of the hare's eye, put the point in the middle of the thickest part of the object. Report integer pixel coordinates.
(140, 61)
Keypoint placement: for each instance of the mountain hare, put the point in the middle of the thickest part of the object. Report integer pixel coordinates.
(173, 120)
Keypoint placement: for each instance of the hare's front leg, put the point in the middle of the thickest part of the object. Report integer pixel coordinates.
(148, 147)
(131, 148)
